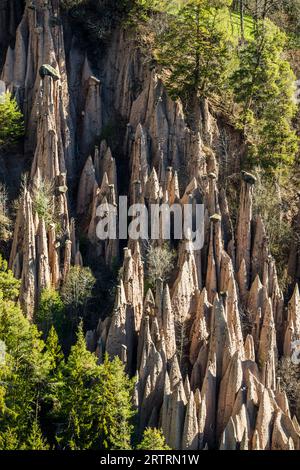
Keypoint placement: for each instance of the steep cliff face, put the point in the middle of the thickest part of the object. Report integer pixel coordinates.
(220, 391)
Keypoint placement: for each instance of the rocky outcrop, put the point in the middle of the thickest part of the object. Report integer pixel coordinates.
(10, 15)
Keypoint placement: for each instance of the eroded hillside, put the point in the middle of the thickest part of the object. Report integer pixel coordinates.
(205, 345)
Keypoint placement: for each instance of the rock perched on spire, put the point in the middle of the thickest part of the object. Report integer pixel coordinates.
(45, 101)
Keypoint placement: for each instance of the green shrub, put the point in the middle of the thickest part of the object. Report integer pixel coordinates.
(43, 201)
(11, 120)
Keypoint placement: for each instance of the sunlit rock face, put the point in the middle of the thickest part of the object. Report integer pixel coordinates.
(199, 376)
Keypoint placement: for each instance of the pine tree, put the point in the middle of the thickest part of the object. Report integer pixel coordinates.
(24, 374)
(76, 398)
(94, 402)
(194, 49)
(55, 353)
(263, 84)
(35, 440)
(51, 312)
(24, 368)
(153, 439)
(115, 407)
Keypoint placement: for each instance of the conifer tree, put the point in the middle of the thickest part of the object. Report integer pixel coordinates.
(115, 405)
(153, 439)
(35, 440)
(94, 402)
(9, 286)
(55, 353)
(194, 49)
(24, 369)
(76, 397)
(50, 312)
(263, 84)
(9, 439)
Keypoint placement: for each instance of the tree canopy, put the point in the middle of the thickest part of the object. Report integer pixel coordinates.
(264, 86)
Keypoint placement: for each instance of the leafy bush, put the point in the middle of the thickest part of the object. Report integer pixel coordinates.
(43, 201)
(11, 120)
